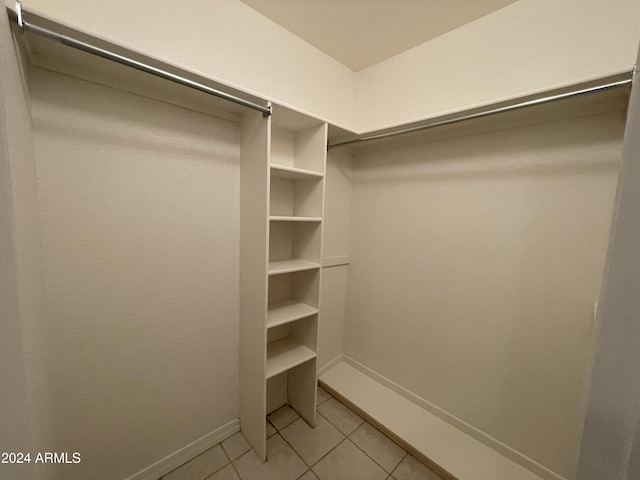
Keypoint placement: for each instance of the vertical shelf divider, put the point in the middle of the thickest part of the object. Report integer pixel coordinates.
(254, 248)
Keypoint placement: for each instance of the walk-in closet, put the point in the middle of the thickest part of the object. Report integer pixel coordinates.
(261, 239)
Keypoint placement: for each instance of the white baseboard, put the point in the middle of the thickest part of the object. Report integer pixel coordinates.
(505, 450)
(179, 457)
(332, 363)
(277, 402)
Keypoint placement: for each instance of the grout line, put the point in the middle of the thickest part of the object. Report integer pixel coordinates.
(346, 438)
(364, 421)
(405, 456)
(318, 387)
(336, 446)
(231, 461)
(373, 459)
(426, 461)
(296, 452)
(278, 429)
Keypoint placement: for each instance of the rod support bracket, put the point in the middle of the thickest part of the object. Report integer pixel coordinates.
(269, 112)
(19, 15)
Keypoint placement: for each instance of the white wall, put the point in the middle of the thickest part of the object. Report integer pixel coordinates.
(475, 264)
(19, 266)
(139, 212)
(337, 222)
(224, 40)
(526, 47)
(611, 442)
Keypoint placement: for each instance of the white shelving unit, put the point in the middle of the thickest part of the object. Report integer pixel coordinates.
(282, 208)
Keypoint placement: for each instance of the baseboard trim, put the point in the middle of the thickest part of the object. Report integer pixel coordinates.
(506, 451)
(332, 363)
(277, 402)
(179, 457)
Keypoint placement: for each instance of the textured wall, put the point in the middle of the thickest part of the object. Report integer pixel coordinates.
(523, 48)
(475, 264)
(225, 40)
(611, 442)
(337, 221)
(139, 211)
(19, 247)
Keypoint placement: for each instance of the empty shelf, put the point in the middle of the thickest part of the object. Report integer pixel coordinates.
(290, 265)
(286, 354)
(455, 451)
(293, 173)
(285, 311)
(279, 218)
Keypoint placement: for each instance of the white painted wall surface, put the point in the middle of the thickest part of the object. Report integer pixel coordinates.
(611, 442)
(526, 47)
(338, 203)
(19, 259)
(139, 211)
(337, 223)
(475, 263)
(224, 40)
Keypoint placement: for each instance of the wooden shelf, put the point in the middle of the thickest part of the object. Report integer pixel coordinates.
(293, 173)
(281, 218)
(286, 354)
(285, 311)
(290, 265)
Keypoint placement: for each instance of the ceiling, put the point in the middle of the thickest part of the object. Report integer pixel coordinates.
(360, 33)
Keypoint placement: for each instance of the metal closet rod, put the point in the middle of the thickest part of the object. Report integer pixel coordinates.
(489, 110)
(114, 57)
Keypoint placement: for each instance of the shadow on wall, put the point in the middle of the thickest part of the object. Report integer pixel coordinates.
(168, 129)
(498, 154)
(476, 261)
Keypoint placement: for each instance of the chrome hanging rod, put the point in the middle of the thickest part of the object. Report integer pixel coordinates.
(489, 110)
(26, 26)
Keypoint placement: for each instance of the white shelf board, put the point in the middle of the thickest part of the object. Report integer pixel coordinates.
(290, 265)
(285, 354)
(281, 218)
(456, 452)
(288, 310)
(293, 173)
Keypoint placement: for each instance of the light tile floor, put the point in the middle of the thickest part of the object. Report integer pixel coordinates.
(342, 447)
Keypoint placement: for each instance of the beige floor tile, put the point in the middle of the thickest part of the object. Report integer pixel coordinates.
(378, 446)
(275, 444)
(309, 475)
(348, 462)
(201, 467)
(283, 417)
(312, 443)
(247, 463)
(270, 430)
(412, 469)
(227, 473)
(322, 396)
(286, 465)
(236, 445)
(340, 416)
